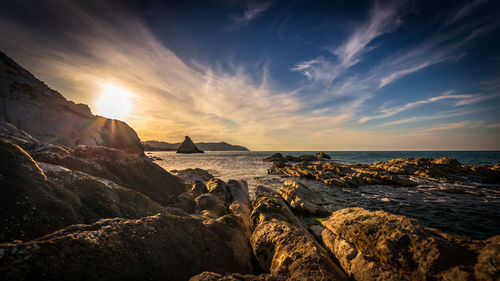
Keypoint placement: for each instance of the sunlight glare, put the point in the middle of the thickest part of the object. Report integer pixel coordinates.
(113, 102)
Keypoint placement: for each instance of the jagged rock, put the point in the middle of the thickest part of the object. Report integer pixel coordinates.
(211, 203)
(188, 146)
(45, 114)
(193, 175)
(283, 247)
(301, 199)
(38, 198)
(381, 246)
(198, 188)
(160, 247)
(276, 157)
(322, 155)
(129, 170)
(393, 172)
(211, 276)
(218, 188)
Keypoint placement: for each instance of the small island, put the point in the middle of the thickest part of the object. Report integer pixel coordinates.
(154, 145)
(188, 146)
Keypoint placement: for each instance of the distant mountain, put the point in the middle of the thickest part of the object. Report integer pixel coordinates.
(206, 146)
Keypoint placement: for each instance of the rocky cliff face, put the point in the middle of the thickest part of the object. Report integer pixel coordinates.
(188, 146)
(32, 106)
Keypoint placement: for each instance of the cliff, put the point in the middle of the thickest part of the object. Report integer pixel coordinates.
(32, 106)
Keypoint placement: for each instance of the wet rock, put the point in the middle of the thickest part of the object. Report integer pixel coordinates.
(193, 175)
(381, 246)
(188, 146)
(45, 114)
(283, 247)
(301, 199)
(393, 172)
(160, 247)
(322, 155)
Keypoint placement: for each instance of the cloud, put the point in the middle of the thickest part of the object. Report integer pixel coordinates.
(464, 99)
(253, 10)
(170, 98)
(383, 18)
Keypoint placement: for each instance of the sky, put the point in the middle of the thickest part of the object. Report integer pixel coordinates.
(276, 75)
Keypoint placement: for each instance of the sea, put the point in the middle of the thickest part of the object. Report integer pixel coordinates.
(464, 208)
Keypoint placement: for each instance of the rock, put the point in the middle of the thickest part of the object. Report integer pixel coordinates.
(276, 158)
(188, 146)
(381, 246)
(322, 155)
(393, 172)
(38, 198)
(160, 247)
(301, 199)
(283, 247)
(218, 188)
(45, 114)
(211, 203)
(128, 170)
(198, 188)
(193, 175)
(211, 276)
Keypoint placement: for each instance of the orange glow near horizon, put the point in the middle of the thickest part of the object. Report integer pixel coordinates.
(113, 102)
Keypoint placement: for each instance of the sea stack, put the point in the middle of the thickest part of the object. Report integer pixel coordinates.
(188, 146)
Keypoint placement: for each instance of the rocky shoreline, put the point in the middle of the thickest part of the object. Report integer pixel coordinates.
(81, 201)
(91, 210)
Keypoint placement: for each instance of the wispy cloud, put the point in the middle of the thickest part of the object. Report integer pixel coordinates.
(383, 18)
(464, 99)
(253, 10)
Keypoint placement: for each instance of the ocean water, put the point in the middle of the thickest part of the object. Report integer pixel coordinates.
(464, 208)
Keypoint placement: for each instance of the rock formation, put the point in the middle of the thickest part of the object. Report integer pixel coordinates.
(381, 246)
(32, 106)
(205, 146)
(188, 147)
(393, 172)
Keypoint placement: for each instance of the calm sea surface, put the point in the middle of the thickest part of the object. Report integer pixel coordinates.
(464, 208)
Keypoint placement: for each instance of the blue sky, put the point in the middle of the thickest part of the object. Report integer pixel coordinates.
(288, 75)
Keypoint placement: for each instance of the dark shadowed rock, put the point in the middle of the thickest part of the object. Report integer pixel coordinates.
(211, 276)
(38, 198)
(188, 146)
(283, 247)
(193, 175)
(45, 114)
(129, 170)
(381, 246)
(160, 247)
(322, 155)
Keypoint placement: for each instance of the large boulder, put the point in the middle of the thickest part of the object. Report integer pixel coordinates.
(382, 246)
(301, 199)
(188, 146)
(160, 247)
(129, 170)
(283, 247)
(45, 114)
(38, 198)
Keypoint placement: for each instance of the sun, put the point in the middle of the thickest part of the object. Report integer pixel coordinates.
(113, 102)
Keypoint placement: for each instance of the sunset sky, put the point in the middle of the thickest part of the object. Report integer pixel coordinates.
(275, 75)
